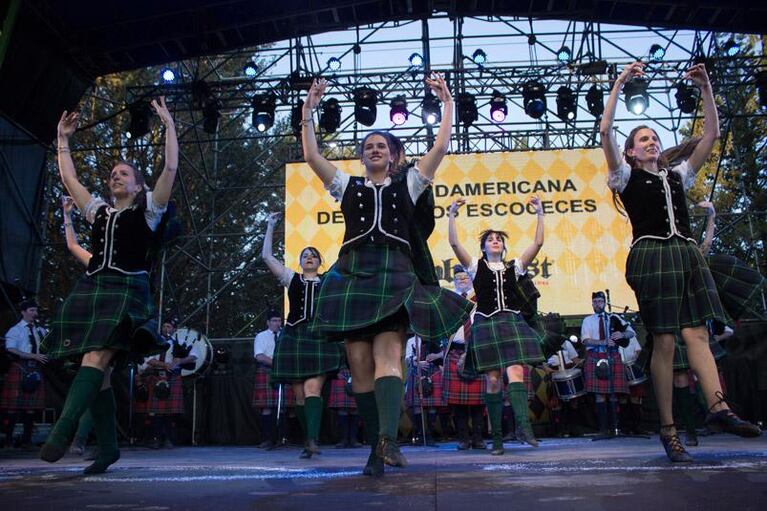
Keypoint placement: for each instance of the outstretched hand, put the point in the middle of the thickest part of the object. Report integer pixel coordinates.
(630, 71)
(536, 202)
(697, 74)
(455, 206)
(162, 111)
(316, 91)
(67, 124)
(67, 203)
(273, 218)
(439, 87)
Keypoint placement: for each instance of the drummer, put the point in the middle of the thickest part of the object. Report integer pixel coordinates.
(604, 373)
(631, 405)
(564, 412)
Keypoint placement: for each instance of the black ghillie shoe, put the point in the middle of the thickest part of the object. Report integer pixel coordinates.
(388, 450)
(674, 449)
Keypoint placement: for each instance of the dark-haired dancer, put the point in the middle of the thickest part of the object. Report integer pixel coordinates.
(301, 358)
(501, 338)
(384, 279)
(110, 312)
(669, 276)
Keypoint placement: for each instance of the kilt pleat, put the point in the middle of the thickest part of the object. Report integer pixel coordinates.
(338, 396)
(502, 340)
(171, 405)
(105, 310)
(265, 394)
(457, 390)
(13, 397)
(739, 286)
(672, 284)
(616, 384)
(373, 282)
(412, 397)
(300, 354)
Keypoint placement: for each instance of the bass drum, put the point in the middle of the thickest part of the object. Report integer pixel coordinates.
(200, 346)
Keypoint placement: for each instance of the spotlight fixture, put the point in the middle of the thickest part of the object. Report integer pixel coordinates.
(595, 102)
(365, 110)
(637, 99)
(567, 104)
(431, 109)
(416, 60)
(686, 97)
(498, 108)
(296, 116)
(467, 108)
(334, 63)
(210, 116)
(761, 88)
(479, 57)
(398, 113)
(263, 111)
(531, 39)
(168, 75)
(330, 115)
(250, 69)
(138, 126)
(731, 47)
(657, 52)
(534, 98)
(564, 55)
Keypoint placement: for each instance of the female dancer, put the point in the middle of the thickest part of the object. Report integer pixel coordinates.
(301, 357)
(672, 282)
(383, 281)
(501, 339)
(110, 312)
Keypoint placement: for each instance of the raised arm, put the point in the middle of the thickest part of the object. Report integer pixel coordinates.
(276, 267)
(318, 163)
(430, 162)
(708, 239)
(452, 234)
(164, 184)
(74, 247)
(697, 74)
(66, 128)
(609, 144)
(529, 254)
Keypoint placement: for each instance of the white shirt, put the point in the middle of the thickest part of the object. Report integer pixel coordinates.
(263, 344)
(416, 183)
(167, 357)
(569, 353)
(590, 329)
(630, 353)
(17, 337)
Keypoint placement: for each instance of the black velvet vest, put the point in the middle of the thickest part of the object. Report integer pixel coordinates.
(121, 241)
(302, 296)
(497, 290)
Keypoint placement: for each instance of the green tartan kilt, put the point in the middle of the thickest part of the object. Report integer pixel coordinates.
(672, 284)
(105, 310)
(739, 286)
(300, 355)
(502, 340)
(371, 283)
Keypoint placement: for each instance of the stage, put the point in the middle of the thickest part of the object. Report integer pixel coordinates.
(624, 473)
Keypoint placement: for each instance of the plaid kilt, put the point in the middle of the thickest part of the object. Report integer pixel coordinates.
(300, 355)
(458, 391)
(13, 396)
(502, 340)
(265, 394)
(412, 399)
(373, 282)
(739, 286)
(105, 310)
(172, 405)
(618, 384)
(672, 284)
(338, 396)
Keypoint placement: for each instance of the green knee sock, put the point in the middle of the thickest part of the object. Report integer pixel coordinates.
(84, 428)
(518, 399)
(104, 424)
(301, 416)
(81, 394)
(494, 404)
(368, 410)
(313, 413)
(388, 390)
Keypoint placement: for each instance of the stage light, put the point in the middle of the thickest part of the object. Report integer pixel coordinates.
(467, 108)
(330, 115)
(210, 116)
(250, 69)
(567, 104)
(296, 116)
(498, 108)
(479, 57)
(637, 99)
(138, 126)
(416, 60)
(761, 88)
(531, 39)
(595, 102)
(657, 52)
(564, 55)
(365, 110)
(398, 113)
(263, 111)
(334, 64)
(431, 109)
(534, 98)
(686, 98)
(168, 75)
(731, 47)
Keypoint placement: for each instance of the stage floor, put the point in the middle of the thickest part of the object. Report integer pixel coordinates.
(624, 473)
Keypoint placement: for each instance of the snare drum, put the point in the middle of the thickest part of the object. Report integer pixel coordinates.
(569, 384)
(200, 346)
(634, 374)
